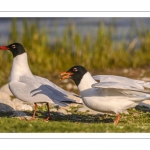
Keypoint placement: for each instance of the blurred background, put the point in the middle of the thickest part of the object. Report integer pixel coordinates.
(119, 46)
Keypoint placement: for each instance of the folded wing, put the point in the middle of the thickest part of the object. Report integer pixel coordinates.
(42, 90)
(128, 87)
(68, 96)
(123, 81)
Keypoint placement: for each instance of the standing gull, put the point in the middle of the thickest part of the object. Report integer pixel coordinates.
(113, 94)
(34, 89)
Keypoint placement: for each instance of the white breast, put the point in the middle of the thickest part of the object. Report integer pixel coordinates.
(20, 67)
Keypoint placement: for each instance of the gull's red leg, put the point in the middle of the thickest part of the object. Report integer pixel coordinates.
(117, 119)
(35, 108)
(49, 117)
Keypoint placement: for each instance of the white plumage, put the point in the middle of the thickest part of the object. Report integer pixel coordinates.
(108, 93)
(34, 89)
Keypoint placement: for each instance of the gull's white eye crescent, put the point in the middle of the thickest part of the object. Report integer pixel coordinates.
(13, 46)
(75, 69)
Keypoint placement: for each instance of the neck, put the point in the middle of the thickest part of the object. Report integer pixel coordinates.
(86, 82)
(20, 67)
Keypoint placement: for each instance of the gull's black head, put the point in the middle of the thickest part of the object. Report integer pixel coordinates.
(75, 73)
(15, 48)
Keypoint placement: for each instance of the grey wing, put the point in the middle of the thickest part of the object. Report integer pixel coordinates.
(59, 92)
(143, 83)
(51, 84)
(34, 91)
(123, 81)
(118, 86)
(133, 89)
(119, 90)
(112, 85)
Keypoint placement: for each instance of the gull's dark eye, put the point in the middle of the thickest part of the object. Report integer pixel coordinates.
(13, 46)
(75, 69)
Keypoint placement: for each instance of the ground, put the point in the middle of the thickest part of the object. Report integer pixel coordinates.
(136, 121)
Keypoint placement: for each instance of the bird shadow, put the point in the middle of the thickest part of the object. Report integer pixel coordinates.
(83, 118)
(78, 118)
(8, 111)
(55, 116)
(5, 110)
(142, 108)
(58, 116)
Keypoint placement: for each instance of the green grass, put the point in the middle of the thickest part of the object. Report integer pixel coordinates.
(137, 121)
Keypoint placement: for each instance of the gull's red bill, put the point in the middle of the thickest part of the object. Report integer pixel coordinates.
(4, 48)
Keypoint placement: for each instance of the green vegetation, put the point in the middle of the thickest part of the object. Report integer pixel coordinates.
(137, 121)
(47, 55)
